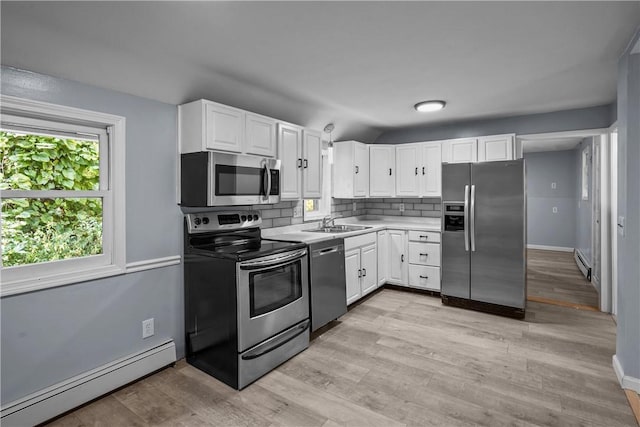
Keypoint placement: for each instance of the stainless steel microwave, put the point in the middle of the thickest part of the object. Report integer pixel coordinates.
(217, 179)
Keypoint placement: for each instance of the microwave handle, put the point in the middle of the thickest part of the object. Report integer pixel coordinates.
(266, 182)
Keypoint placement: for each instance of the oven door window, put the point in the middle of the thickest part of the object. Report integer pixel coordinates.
(273, 288)
(238, 181)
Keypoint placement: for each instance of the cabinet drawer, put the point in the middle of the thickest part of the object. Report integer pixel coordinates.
(423, 236)
(361, 240)
(424, 253)
(424, 277)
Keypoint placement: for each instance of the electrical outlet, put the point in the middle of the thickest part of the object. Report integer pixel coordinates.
(401, 207)
(354, 206)
(553, 185)
(297, 211)
(555, 209)
(147, 328)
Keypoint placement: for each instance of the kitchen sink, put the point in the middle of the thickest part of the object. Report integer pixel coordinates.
(338, 229)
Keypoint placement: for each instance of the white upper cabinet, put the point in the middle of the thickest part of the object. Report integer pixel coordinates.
(408, 165)
(350, 170)
(463, 150)
(209, 126)
(311, 164)
(497, 147)
(290, 149)
(260, 135)
(431, 172)
(300, 162)
(382, 170)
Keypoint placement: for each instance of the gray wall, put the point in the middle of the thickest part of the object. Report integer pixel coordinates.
(544, 227)
(584, 208)
(628, 330)
(51, 335)
(583, 118)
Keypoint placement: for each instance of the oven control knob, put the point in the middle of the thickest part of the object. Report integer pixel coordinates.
(197, 221)
(243, 218)
(205, 220)
(255, 217)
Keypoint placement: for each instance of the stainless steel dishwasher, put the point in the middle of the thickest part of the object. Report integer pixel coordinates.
(328, 286)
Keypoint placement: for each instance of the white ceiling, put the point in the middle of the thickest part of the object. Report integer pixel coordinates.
(361, 65)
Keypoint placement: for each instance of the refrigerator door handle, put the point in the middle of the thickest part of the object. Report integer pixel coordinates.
(466, 218)
(473, 218)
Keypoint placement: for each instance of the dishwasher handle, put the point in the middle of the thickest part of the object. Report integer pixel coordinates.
(326, 251)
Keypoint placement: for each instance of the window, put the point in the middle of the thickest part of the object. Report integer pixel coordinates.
(62, 182)
(586, 161)
(315, 209)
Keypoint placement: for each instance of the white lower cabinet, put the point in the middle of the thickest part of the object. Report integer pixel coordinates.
(424, 277)
(424, 260)
(361, 261)
(398, 262)
(383, 256)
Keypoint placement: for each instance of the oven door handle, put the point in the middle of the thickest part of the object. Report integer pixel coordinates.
(273, 262)
(276, 342)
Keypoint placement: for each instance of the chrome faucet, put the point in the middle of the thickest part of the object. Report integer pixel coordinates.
(329, 219)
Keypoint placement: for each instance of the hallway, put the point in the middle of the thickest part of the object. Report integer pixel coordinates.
(554, 276)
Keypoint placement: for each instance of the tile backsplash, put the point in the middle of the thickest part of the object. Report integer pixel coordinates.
(281, 214)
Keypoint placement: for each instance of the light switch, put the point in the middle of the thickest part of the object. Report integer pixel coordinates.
(553, 185)
(555, 209)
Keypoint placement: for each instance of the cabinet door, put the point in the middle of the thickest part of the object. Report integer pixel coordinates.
(397, 257)
(353, 273)
(368, 264)
(494, 148)
(431, 169)
(260, 135)
(311, 164)
(383, 257)
(224, 128)
(407, 164)
(361, 170)
(382, 171)
(290, 154)
(460, 151)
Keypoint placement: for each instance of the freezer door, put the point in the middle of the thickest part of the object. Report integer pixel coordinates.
(455, 267)
(454, 177)
(497, 233)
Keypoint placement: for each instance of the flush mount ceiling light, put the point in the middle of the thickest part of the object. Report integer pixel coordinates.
(428, 106)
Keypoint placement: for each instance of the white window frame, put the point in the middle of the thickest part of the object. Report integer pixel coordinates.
(324, 208)
(111, 130)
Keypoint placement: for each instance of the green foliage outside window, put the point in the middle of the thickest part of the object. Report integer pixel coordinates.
(47, 229)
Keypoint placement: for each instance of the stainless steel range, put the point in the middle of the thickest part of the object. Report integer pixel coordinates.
(246, 298)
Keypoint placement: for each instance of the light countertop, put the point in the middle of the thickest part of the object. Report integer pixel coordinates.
(300, 233)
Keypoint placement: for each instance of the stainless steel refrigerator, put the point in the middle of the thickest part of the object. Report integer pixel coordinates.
(484, 229)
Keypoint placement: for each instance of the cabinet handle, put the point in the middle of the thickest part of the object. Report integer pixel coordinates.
(364, 272)
(389, 171)
(423, 170)
(306, 163)
(424, 254)
(299, 163)
(416, 171)
(359, 273)
(402, 258)
(422, 235)
(424, 277)
(357, 169)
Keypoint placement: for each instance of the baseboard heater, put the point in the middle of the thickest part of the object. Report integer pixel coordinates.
(66, 395)
(582, 264)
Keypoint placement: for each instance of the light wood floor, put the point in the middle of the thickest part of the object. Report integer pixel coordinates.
(555, 276)
(400, 358)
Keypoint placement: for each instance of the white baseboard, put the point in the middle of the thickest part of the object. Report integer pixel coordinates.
(550, 248)
(66, 395)
(626, 382)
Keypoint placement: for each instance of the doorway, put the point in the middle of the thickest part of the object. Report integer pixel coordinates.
(568, 199)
